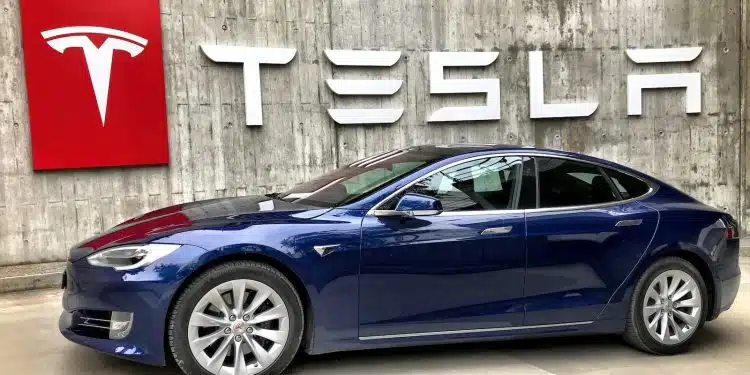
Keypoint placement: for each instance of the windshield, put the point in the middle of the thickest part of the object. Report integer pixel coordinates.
(357, 180)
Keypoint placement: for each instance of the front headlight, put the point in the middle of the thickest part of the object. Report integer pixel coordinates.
(129, 257)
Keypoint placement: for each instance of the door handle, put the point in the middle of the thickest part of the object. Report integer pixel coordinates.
(497, 230)
(629, 223)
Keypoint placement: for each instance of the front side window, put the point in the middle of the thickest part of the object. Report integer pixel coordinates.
(564, 183)
(491, 183)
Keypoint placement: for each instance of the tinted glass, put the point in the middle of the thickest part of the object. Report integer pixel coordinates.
(481, 184)
(628, 186)
(359, 179)
(565, 183)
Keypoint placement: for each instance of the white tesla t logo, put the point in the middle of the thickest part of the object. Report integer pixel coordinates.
(98, 60)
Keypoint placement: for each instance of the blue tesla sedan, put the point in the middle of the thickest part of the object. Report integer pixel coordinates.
(421, 245)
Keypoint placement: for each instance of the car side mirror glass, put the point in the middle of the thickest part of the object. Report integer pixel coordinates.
(419, 205)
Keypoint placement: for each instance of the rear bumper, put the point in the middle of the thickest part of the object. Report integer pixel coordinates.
(729, 290)
(727, 275)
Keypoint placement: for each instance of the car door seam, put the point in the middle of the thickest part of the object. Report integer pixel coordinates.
(638, 263)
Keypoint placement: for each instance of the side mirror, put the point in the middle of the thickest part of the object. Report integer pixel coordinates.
(417, 203)
(412, 204)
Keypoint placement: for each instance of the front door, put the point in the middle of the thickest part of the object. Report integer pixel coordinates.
(462, 269)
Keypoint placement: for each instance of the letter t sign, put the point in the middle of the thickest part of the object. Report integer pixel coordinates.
(251, 58)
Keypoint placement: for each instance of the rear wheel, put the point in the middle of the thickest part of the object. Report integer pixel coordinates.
(239, 318)
(668, 306)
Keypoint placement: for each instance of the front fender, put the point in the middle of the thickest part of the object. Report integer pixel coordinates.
(329, 283)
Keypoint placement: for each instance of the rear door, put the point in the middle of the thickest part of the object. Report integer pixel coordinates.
(583, 240)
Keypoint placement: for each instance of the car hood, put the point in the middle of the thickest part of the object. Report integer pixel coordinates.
(195, 215)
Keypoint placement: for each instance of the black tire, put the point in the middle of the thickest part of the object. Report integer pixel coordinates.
(177, 327)
(636, 332)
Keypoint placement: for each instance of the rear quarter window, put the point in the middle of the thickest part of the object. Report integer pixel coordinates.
(628, 186)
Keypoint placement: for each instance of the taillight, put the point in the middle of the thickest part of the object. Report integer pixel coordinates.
(732, 230)
(731, 233)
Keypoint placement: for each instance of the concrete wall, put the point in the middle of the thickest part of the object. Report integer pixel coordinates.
(213, 154)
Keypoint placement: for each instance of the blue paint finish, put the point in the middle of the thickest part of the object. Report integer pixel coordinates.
(412, 275)
(687, 228)
(121, 349)
(418, 202)
(436, 273)
(330, 282)
(147, 293)
(577, 259)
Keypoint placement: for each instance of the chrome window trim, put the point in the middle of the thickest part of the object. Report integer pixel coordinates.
(485, 212)
(467, 331)
(651, 187)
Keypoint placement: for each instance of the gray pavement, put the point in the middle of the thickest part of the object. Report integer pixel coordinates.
(30, 344)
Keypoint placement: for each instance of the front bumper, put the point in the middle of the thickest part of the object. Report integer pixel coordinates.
(145, 293)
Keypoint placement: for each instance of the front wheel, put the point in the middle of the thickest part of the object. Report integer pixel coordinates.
(239, 318)
(668, 306)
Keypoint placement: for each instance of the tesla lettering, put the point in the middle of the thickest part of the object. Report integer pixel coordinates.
(537, 107)
(251, 58)
(364, 87)
(439, 85)
(636, 83)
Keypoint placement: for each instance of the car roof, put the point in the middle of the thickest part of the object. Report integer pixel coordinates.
(452, 150)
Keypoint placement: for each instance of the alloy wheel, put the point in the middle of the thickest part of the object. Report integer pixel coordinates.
(672, 307)
(239, 327)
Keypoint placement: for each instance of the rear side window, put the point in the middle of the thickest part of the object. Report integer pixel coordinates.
(628, 186)
(564, 183)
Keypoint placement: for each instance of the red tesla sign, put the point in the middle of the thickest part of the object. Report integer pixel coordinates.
(95, 80)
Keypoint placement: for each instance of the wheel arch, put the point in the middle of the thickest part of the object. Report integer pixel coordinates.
(698, 261)
(287, 271)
